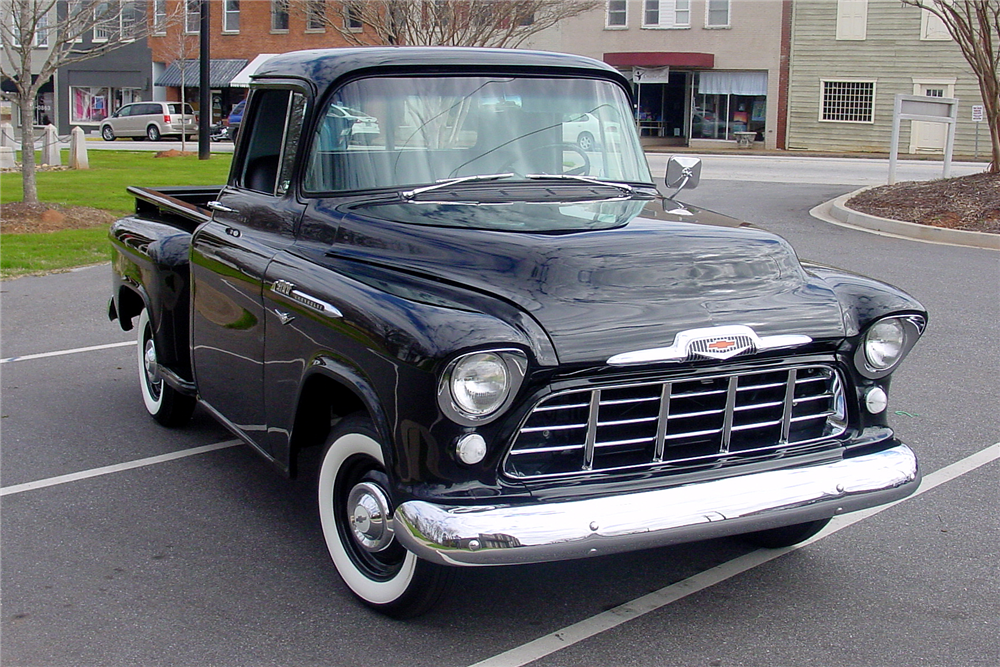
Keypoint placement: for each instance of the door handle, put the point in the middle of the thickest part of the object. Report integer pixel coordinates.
(219, 206)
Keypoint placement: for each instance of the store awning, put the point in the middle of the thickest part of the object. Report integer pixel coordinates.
(684, 60)
(242, 79)
(220, 73)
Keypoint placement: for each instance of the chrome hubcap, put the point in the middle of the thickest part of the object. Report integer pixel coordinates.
(149, 359)
(370, 517)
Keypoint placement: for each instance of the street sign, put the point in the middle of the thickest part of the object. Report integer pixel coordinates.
(927, 109)
(978, 113)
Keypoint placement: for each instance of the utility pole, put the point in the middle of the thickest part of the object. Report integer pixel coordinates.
(205, 88)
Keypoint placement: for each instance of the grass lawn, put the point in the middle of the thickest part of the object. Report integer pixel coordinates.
(23, 254)
(102, 186)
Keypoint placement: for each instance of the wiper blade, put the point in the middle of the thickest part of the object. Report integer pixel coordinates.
(624, 187)
(445, 182)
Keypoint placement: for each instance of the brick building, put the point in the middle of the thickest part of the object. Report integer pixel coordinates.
(240, 31)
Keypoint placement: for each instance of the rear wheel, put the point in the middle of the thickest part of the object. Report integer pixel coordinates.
(585, 141)
(107, 133)
(164, 403)
(356, 512)
(786, 536)
(153, 133)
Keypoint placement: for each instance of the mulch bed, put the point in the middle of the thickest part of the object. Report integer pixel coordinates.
(21, 218)
(971, 203)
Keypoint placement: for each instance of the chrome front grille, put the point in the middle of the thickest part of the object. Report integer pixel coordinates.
(686, 420)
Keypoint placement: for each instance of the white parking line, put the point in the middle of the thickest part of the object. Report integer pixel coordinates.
(560, 639)
(60, 353)
(118, 467)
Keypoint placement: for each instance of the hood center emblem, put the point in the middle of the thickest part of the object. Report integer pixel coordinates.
(721, 342)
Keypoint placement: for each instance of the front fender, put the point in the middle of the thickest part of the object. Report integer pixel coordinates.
(864, 300)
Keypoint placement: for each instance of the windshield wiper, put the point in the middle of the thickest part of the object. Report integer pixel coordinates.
(445, 182)
(624, 187)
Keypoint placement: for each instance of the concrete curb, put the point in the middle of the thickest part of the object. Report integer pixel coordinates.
(837, 212)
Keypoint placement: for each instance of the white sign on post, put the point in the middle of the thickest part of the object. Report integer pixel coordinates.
(928, 109)
(978, 113)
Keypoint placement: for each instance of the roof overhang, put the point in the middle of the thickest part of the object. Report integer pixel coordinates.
(242, 80)
(679, 59)
(220, 73)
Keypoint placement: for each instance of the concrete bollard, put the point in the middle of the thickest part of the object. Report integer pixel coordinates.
(78, 150)
(7, 158)
(50, 146)
(7, 135)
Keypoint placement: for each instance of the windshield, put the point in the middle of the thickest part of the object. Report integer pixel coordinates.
(404, 132)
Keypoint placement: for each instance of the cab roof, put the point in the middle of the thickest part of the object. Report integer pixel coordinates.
(323, 68)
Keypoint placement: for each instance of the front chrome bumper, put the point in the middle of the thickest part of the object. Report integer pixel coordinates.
(508, 534)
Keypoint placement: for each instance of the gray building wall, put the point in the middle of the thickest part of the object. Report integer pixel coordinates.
(893, 55)
(129, 68)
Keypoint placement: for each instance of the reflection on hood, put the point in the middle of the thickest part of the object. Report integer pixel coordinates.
(518, 216)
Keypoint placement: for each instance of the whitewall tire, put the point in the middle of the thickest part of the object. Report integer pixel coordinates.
(356, 513)
(164, 403)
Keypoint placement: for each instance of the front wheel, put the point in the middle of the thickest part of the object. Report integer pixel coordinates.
(357, 517)
(107, 133)
(164, 403)
(786, 536)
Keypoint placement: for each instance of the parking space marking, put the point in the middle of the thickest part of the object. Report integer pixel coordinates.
(560, 639)
(60, 353)
(118, 467)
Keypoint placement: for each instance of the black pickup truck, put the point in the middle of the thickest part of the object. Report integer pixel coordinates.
(453, 270)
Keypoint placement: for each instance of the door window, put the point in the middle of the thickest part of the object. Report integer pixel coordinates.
(274, 136)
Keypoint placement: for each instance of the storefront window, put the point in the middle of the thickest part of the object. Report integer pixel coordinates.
(89, 104)
(729, 102)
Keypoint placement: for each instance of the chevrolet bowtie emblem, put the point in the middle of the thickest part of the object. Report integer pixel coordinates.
(719, 343)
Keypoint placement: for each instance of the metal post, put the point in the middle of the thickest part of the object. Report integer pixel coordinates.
(949, 144)
(894, 142)
(205, 86)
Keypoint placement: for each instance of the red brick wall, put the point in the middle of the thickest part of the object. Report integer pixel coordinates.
(255, 36)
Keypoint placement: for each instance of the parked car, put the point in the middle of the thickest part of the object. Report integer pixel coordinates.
(588, 131)
(150, 120)
(363, 127)
(505, 356)
(235, 119)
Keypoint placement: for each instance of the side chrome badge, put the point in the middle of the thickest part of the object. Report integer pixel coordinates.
(720, 343)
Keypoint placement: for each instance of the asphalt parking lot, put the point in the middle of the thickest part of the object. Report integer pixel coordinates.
(123, 544)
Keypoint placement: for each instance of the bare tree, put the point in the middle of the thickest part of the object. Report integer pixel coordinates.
(184, 49)
(63, 25)
(491, 23)
(975, 27)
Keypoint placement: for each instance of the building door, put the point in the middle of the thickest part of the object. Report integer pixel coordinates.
(930, 137)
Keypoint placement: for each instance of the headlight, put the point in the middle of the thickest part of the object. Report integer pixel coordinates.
(477, 386)
(885, 344)
(479, 383)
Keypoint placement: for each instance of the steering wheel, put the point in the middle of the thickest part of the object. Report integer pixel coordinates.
(582, 170)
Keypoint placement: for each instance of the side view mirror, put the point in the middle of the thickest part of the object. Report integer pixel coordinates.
(683, 172)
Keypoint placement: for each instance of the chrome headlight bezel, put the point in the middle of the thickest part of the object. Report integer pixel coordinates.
(512, 364)
(886, 342)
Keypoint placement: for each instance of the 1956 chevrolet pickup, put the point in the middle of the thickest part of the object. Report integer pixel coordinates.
(453, 270)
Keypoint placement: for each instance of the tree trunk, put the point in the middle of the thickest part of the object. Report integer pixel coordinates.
(30, 186)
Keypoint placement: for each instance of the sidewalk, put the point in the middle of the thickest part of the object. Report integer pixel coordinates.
(758, 150)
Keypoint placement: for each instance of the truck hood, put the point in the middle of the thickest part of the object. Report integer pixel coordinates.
(631, 281)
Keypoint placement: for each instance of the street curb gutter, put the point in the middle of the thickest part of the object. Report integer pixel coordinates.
(837, 212)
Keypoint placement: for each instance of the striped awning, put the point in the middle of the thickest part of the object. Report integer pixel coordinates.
(220, 72)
